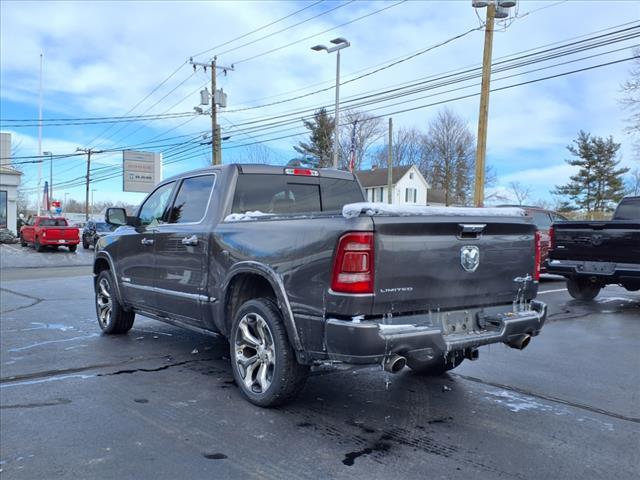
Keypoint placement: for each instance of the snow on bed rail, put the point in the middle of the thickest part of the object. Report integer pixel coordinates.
(371, 209)
(247, 216)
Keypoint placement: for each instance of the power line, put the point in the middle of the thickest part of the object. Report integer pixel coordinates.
(147, 118)
(404, 59)
(257, 29)
(317, 33)
(285, 29)
(396, 112)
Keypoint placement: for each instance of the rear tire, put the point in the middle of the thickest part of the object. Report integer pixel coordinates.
(112, 317)
(583, 289)
(85, 244)
(73, 248)
(264, 365)
(437, 366)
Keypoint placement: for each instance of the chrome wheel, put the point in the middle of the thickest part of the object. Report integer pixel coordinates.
(254, 352)
(104, 302)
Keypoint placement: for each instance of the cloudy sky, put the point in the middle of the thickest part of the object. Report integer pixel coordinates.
(106, 59)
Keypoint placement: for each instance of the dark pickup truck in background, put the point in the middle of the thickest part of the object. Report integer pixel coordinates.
(592, 254)
(297, 274)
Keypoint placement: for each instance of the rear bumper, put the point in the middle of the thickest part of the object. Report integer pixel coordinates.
(423, 338)
(578, 268)
(64, 243)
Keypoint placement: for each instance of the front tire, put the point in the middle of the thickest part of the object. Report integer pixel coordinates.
(22, 242)
(263, 363)
(583, 289)
(85, 244)
(112, 317)
(38, 246)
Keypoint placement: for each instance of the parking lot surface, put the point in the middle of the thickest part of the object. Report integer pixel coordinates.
(160, 402)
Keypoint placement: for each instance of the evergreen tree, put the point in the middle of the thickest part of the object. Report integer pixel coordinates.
(599, 183)
(320, 145)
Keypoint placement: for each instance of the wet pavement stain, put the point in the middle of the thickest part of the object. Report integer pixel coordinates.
(378, 447)
(141, 400)
(215, 456)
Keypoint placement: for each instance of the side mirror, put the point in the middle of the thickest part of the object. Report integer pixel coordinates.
(116, 216)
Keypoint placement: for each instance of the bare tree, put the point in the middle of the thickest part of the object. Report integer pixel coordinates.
(406, 149)
(258, 153)
(631, 100)
(521, 192)
(368, 131)
(448, 156)
(634, 182)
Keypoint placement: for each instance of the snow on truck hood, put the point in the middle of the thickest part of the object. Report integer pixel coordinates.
(371, 209)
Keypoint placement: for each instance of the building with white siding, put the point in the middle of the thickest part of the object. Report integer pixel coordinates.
(409, 187)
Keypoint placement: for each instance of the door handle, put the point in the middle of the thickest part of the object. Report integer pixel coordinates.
(192, 240)
(146, 241)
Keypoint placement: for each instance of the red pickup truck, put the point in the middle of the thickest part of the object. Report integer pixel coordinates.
(49, 231)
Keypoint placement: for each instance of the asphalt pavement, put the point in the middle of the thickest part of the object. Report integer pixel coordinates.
(160, 402)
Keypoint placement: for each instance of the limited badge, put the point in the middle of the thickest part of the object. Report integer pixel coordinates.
(470, 257)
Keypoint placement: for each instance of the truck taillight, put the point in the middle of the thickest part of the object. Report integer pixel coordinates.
(552, 239)
(536, 266)
(353, 265)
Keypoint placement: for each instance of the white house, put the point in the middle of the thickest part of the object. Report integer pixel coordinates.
(9, 182)
(408, 185)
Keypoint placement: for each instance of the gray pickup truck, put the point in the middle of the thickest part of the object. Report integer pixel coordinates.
(286, 264)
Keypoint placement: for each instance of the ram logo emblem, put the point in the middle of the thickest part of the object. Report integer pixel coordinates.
(470, 257)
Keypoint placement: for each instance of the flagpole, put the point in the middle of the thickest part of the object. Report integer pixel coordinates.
(40, 138)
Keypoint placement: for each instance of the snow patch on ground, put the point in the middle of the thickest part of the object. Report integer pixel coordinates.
(353, 210)
(244, 217)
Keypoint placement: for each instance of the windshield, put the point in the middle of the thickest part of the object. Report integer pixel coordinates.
(105, 227)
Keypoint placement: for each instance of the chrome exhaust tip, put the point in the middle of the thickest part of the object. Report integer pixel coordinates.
(394, 363)
(521, 342)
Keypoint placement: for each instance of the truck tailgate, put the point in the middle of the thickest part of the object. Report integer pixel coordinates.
(62, 233)
(419, 262)
(612, 241)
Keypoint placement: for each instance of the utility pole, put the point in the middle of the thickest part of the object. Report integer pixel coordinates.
(88, 151)
(50, 154)
(390, 163)
(481, 149)
(216, 100)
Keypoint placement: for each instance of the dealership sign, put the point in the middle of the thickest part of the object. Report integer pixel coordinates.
(141, 171)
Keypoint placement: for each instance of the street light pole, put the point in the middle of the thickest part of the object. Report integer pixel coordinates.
(339, 43)
(336, 132)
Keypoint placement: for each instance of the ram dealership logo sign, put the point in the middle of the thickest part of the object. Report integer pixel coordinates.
(470, 257)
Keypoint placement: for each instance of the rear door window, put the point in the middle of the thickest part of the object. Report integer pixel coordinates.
(192, 199)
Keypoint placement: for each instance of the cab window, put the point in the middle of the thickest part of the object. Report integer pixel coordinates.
(153, 211)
